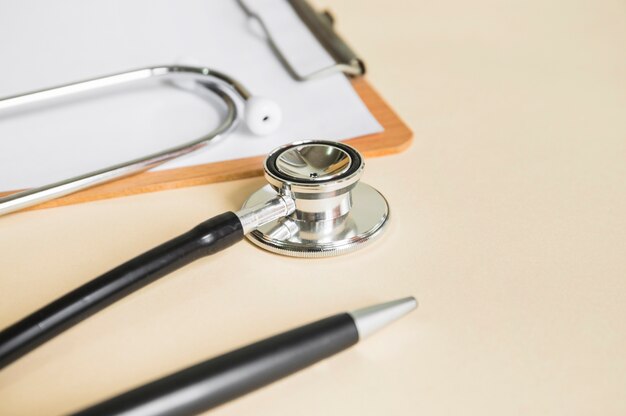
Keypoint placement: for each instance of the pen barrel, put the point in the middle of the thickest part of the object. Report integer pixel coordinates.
(216, 381)
(207, 238)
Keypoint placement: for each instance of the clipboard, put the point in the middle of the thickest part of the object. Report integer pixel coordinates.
(395, 137)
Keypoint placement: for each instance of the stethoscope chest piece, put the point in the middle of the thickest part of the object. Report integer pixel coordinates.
(334, 213)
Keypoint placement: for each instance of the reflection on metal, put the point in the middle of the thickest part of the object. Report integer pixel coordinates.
(231, 92)
(334, 213)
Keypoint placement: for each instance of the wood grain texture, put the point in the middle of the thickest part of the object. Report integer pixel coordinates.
(395, 138)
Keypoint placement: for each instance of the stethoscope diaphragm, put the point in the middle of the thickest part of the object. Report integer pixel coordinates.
(334, 213)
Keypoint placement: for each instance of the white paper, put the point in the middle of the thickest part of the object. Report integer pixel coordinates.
(45, 43)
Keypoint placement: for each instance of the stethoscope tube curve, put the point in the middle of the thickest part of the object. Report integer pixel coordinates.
(229, 90)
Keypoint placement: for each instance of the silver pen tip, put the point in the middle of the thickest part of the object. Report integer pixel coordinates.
(372, 318)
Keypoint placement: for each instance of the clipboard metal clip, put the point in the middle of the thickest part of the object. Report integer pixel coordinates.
(321, 26)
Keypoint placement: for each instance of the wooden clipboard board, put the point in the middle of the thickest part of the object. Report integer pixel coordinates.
(395, 138)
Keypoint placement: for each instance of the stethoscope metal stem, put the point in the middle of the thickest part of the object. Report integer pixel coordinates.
(272, 210)
(228, 89)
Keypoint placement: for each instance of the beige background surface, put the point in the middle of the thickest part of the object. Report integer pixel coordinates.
(510, 227)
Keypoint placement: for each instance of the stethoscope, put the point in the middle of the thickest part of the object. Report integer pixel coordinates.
(312, 206)
(261, 115)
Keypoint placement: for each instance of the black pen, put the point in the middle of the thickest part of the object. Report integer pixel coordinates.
(218, 380)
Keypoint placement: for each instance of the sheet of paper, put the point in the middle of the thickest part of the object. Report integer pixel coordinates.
(45, 43)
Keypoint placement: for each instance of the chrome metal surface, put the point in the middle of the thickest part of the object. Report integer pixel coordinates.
(303, 237)
(318, 175)
(317, 162)
(229, 90)
(334, 213)
(255, 216)
(314, 169)
(373, 318)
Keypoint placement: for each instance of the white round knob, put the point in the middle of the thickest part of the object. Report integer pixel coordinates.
(262, 115)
